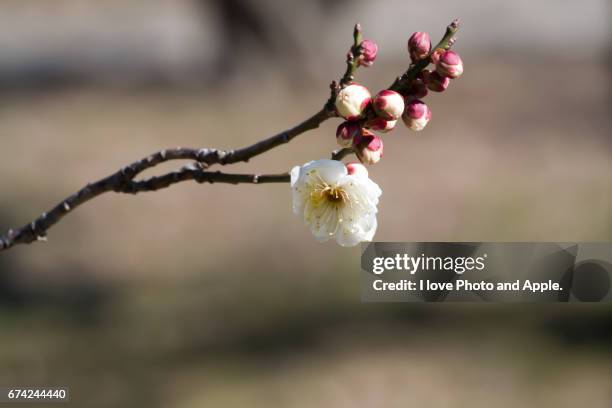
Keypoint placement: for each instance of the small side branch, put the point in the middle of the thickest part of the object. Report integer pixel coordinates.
(201, 176)
(246, 153)
(122, 181)
(352, 57)
(342, 153)
(37, 229)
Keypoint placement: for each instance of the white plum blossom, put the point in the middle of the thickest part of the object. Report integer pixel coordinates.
(334, 203)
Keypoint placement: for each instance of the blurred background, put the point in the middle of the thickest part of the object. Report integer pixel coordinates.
(217, 295)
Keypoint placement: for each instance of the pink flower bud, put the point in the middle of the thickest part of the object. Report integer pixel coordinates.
(346, 132)
(417, 89)
(368, 147)
(356, 169)
(416, 115)
(419, 45)
(388, 104)
(437, 82)
(449, 64)
(352, 100)
(435, 55)
(369, 50)
(380, 124)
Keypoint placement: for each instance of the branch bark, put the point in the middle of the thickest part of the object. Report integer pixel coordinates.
(200, 176)
(123, 180)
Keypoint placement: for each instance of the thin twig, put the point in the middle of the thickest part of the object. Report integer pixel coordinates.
(342, 153)
(37, 229)
(352, 63)
(209, 157)
(352, 58)
(200, 176)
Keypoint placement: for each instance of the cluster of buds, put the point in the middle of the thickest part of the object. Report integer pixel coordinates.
(448, 65)
(338, 200)
(365, 114)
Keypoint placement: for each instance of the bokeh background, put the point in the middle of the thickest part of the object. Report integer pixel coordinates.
(217, 295)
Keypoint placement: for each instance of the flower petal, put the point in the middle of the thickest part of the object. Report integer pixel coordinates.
(295, 174)
(328, 170)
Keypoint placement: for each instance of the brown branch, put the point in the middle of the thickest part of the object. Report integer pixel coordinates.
(200, 176)
(37, 229)
(213, 156)
(209, 157)
(123, 181)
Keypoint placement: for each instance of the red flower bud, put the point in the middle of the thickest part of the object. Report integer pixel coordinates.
(346, 132)
(435, 55)
(417, 89)
(419, 45)
(437, 82)
(449, 64)
(368, 147)
(416, 115)
(351, 101)
(388, 104)
(380, 124)
(369, 50)
(356, 169)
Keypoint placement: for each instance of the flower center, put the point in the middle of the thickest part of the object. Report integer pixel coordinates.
(334, 195)
(325, 193)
